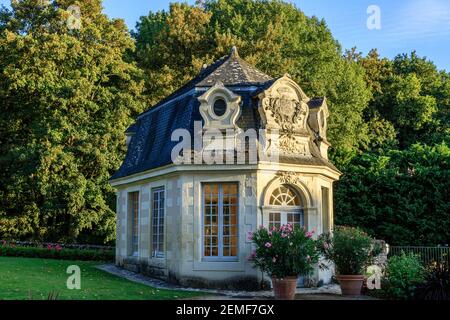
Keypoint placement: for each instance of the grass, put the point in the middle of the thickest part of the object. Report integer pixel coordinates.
(35, 279)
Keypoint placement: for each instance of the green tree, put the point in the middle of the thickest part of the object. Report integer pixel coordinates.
(66, 97)
(411, 110)
(401, 197)
(410, 93)
(274, 36)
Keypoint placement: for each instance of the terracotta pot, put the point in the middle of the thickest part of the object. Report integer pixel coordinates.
(351, 285)
(284, 288)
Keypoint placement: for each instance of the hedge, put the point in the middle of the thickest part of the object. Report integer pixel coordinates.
(57, 253)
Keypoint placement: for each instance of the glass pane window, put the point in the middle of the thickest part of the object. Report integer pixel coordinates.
(133, 211)
(274, 220)
(220, 220)
(285, 196)
(158, 222)
(295, 218)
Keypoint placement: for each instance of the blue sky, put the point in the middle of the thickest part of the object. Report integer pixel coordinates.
(406, 25)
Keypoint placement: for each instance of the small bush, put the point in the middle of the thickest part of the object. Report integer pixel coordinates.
(403, 274)
(57, 253)
(436, 285)
(349, 248)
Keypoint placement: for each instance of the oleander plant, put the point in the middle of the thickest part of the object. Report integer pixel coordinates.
(287, 251)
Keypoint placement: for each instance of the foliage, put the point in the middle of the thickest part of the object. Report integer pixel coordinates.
(437, 284)
(66, 97)
(284, 252)
(25, 278)
(401, 197)
(411, 93)
(57, 253)
(274, 36)
(350, 249)
(403, 274)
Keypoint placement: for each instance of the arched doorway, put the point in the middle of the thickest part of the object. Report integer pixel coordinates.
(285, 206)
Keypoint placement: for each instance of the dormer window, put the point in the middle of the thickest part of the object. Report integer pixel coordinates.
(220, 107)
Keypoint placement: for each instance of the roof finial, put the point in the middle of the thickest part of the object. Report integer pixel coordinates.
(234, 52)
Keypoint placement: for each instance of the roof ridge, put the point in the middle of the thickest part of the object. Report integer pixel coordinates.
(220, 70)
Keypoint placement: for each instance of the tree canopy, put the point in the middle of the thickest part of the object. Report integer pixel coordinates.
(66, 97)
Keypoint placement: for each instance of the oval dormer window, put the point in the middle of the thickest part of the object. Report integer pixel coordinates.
(220, 107)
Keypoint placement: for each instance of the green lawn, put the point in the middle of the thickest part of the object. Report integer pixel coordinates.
(24, 278)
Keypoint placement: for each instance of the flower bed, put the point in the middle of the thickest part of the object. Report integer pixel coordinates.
(55, 251)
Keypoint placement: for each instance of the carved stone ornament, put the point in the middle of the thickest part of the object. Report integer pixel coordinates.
(293, 145)
(288, 177)
(228, 119)
(284, 107)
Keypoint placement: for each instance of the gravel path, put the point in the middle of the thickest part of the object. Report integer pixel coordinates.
(328, 292)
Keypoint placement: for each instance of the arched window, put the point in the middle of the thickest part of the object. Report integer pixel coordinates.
(284, 196)
(285, 207)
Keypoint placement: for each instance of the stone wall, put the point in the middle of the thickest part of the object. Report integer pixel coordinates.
(183, 262)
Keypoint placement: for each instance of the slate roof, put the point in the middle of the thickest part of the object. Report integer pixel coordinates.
(151, 145)
(316, 102)
(233, 71)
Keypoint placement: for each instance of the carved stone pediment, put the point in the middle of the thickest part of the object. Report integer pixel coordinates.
(284, 107)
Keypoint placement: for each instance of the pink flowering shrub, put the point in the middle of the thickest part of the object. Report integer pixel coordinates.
(284, 252)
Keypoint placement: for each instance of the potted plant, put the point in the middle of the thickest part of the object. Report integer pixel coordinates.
(284, 253)
(351, 250)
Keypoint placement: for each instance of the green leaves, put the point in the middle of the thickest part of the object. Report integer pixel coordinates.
(350, 249)
(284, 252)
(403, 274)
(66, 97)
(411, 109)
(401, 197)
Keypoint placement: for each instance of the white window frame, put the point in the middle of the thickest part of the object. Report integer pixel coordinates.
(157, 253)
(220, 257)
(284, 212)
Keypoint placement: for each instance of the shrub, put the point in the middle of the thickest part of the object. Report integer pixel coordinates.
(436, 285)
(56, 252)
(284, 252)
(403, 274)
(349, 248)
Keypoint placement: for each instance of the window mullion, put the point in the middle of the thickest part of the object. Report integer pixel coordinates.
(283, 218)
(220, 223)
